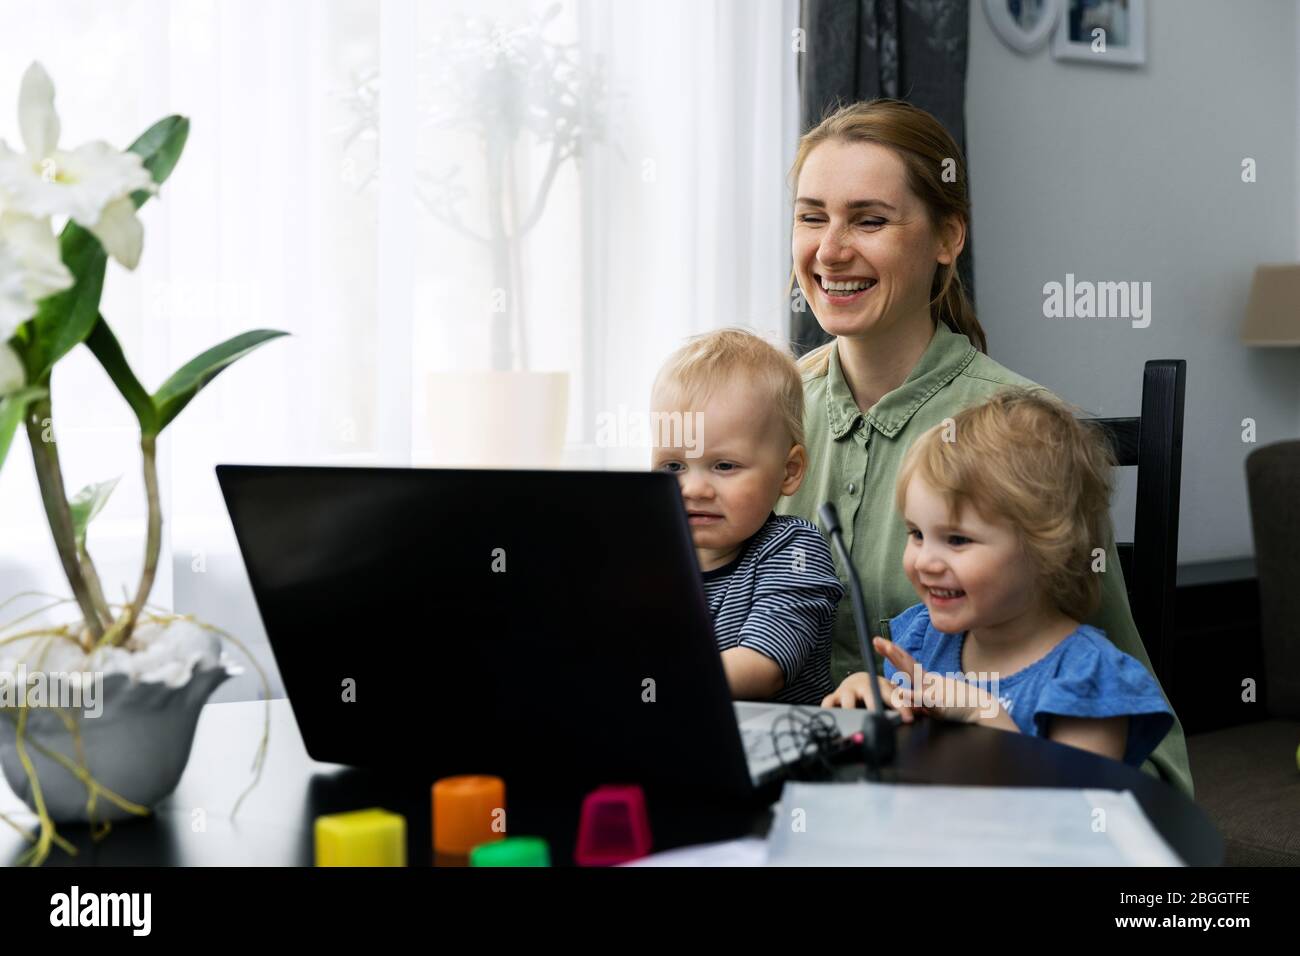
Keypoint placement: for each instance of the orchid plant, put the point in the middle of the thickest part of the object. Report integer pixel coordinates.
(63, 214)
(50, 288)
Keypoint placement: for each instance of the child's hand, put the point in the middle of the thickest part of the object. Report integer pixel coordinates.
(934, 694)
(855, 691)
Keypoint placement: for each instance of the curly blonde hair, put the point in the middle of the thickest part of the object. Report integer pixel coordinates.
(1024, 458)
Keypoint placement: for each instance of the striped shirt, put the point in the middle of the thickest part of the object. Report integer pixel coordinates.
(778, 597)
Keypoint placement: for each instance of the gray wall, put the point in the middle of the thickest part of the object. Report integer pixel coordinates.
(1135, 174)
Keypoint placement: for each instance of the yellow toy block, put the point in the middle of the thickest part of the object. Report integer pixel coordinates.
(372, 837)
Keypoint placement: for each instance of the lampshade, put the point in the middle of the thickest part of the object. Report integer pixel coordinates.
(1273, 312)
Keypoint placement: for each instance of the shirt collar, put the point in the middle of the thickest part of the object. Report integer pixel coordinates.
(944, 359)
(723, 570)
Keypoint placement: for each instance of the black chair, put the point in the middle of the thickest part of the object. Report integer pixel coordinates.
(1246, 775)
(1153, 444)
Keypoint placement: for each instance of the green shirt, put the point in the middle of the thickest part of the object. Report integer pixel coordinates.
(853, 461)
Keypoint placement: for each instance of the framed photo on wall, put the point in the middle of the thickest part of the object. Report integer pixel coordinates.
(1023, 25)
(1102, 31)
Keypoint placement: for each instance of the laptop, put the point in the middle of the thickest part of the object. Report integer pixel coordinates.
(538, 625)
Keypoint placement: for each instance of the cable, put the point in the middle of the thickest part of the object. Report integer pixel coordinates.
(813, 734)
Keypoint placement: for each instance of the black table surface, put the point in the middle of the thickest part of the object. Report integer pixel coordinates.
(274, 826)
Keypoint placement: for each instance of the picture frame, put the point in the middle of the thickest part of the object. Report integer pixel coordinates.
(1111, 32)
(1023, 25)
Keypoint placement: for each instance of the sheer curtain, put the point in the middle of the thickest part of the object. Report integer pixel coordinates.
(301, 203)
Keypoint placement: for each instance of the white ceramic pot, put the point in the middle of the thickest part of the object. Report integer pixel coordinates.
(498, 419)
(136, 727)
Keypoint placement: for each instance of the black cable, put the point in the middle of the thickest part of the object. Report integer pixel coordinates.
(814, 736)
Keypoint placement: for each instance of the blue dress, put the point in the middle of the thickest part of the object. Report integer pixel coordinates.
(1083, 676)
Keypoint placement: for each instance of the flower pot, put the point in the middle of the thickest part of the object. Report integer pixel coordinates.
(135, 729)
(498, 419)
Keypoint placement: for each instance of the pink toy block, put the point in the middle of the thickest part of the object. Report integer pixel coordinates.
(614, 828)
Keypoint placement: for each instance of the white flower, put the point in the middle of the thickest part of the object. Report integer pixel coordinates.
(37, 249)
(30, 268)
(92, 184)
(12, 377)
(15, 307)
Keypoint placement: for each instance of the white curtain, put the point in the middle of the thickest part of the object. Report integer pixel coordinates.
(296, 206)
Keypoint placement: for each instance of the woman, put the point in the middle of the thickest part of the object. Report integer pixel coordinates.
(880, 218)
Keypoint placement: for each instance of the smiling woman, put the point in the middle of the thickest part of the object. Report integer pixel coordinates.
(880, 219)
(886, 231)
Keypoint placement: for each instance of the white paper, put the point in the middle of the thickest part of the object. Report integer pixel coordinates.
(873, 824)
(748, 851)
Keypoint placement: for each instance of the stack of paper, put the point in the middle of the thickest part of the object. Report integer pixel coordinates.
(872, 824)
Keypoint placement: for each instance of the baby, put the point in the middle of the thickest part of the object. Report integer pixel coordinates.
(1007, 510)
(770, 583)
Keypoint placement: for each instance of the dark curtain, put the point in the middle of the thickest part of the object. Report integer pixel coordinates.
(912, 50)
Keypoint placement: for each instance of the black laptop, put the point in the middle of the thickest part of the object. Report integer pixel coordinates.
(546, 626)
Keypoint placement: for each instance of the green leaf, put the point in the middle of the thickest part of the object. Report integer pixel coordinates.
(12, 408)
(160, 146)
(64, 320)
(87, 503)
(177, 391)
(104, 346)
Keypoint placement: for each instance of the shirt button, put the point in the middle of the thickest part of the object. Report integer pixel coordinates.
(852, 488)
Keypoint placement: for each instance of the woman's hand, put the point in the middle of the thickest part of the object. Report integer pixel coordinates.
(855, 691)
(947, 697)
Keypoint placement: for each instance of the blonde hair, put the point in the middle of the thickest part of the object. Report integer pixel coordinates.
(714, 358)
(925, 148)
(1024, 458)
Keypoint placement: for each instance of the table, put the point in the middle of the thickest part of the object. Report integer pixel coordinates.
(274, 825)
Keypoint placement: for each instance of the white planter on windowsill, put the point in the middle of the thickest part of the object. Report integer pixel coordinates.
(498, 419)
